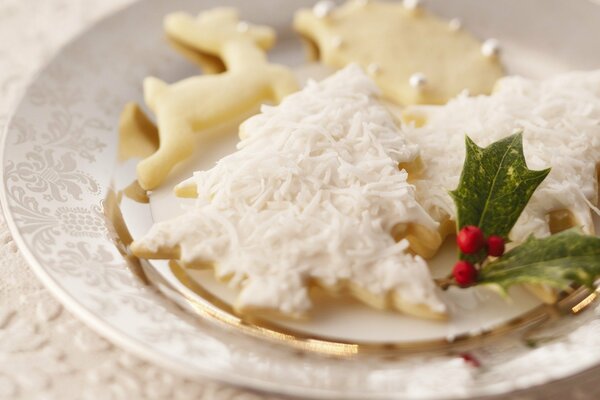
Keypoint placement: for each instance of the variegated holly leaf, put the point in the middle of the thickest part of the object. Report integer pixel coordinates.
(557, 261)
(495, 186)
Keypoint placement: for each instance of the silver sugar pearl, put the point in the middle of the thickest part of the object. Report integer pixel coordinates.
(455, 24)
(417, 80)
(490, 48)
(411, 4)
(337, 42)
(242, 27)
(323, 8)
(373, 69)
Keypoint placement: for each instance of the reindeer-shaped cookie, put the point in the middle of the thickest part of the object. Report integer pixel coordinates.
(189, 106)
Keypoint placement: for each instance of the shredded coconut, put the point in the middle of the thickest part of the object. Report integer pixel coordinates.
(560, 120)
(311, 194)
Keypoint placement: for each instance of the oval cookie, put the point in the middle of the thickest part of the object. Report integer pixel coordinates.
(415, 57)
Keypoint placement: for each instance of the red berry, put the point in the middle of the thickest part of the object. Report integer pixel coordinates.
(495, 246)
(464, 273)
(470, 359)
(470, 239)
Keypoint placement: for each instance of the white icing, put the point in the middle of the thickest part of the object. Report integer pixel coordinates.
(560, 118)
(311, 194)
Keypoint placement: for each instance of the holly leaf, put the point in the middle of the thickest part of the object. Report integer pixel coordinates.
(558, 260)
(495, 186)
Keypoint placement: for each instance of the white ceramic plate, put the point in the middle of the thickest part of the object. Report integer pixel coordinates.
(62, 186)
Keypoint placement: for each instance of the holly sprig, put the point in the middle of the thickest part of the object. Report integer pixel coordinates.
(495, 187)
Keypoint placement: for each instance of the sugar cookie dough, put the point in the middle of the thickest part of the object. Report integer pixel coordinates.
(415, 57)
(209, 64)
(187, 107)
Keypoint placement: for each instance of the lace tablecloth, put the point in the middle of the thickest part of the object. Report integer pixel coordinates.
(44, 351)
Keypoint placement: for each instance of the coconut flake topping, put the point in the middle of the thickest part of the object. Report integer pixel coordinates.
(560, 120)
(311, 195)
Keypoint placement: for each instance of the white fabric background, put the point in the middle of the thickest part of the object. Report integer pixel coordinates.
(45, 353)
